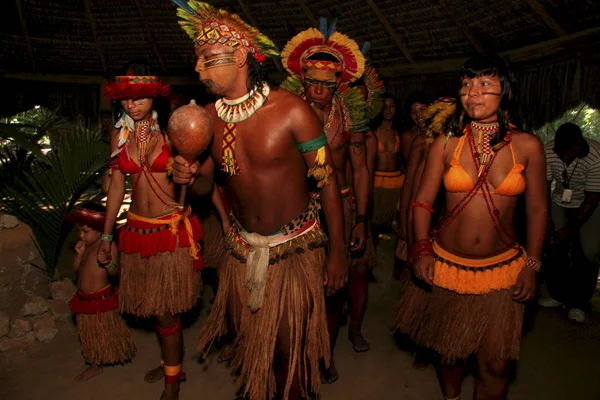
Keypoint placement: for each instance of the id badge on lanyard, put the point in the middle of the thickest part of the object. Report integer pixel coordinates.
(566, 196)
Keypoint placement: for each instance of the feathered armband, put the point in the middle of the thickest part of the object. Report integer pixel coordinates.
(320, 171)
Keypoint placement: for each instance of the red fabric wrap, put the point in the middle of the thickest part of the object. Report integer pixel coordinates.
(103, 300)
(149, 243)
(171, 379)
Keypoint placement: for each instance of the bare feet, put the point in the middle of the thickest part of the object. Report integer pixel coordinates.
(89, 373)
(359, 343)
(154, 375)
(226, 353)
(329, 375)
(171, 392)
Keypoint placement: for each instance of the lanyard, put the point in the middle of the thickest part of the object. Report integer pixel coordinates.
(565, 175)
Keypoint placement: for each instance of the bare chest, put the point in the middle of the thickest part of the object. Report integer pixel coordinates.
(256, 142)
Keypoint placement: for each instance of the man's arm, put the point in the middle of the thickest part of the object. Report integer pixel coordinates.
(361, 183)
(305, 126)
(592, 195)
(414, 157)
(371, 143)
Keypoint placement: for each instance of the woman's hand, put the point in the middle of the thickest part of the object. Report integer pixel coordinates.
(423, 268)
(526, 285)
(104, 254)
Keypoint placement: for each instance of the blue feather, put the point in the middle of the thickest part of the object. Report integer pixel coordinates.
(331, 30)
(365, 48)
(323, 26)
(183, 5)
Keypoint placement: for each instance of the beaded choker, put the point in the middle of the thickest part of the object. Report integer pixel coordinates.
(480, 127)
(238, 110)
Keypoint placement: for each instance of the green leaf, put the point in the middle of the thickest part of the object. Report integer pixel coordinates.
(42, 196)
(10, 132)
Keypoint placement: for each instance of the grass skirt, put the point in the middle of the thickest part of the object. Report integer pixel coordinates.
(104, 335)
(158, 274)
(386, 194)
(293, 308)
(457, 325)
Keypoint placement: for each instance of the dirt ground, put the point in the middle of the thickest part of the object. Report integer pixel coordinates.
(559, 361)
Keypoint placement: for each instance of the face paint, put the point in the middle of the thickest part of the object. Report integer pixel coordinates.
(320, 86)
(217, 71)
(313, 82)
(481, 96)
(216, 61)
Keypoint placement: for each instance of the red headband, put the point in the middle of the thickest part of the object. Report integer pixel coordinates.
(136, 87)
(84, 216)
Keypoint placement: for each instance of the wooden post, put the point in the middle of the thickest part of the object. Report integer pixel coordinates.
(106, 117)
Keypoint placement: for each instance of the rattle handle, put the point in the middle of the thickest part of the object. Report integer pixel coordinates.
(182, 196)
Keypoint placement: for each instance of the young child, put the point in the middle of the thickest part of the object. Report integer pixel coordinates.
(105, 338)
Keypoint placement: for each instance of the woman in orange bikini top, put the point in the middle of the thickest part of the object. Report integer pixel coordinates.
(479, 275)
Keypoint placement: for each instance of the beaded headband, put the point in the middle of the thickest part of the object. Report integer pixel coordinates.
(206, 24)
(135, 87)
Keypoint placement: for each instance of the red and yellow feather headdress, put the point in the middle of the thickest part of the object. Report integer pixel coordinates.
(350, 64)
(206, 24)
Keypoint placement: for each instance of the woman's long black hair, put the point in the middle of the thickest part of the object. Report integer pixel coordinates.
(396, 122)
(160, 104)
(489, 65)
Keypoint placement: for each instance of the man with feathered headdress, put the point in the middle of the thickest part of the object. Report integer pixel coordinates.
(266, 142)
(323, 63)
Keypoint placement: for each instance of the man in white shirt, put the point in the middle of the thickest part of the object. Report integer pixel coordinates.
(573, 163)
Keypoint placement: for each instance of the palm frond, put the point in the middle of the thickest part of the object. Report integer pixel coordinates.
(41, 197)
(14, 134)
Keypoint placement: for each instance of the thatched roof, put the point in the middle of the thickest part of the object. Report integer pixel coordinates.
(416, 44)
(97, 36)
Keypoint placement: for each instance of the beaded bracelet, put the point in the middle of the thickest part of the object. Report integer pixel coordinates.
(422, 248)
(110, 266)
(533, 263)
(422, 205)
(108, 238)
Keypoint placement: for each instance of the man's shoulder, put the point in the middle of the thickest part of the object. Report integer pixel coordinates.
(594, 148)
(284, 103)
(549, 148)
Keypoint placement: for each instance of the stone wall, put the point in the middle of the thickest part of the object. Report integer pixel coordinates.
(29, 303)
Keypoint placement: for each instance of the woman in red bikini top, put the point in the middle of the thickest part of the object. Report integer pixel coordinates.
(159, 255)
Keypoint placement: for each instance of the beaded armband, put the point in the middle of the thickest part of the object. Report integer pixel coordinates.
(422, 205)
(422, 248)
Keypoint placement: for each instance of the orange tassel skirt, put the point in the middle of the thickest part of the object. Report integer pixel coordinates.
(470, 304)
